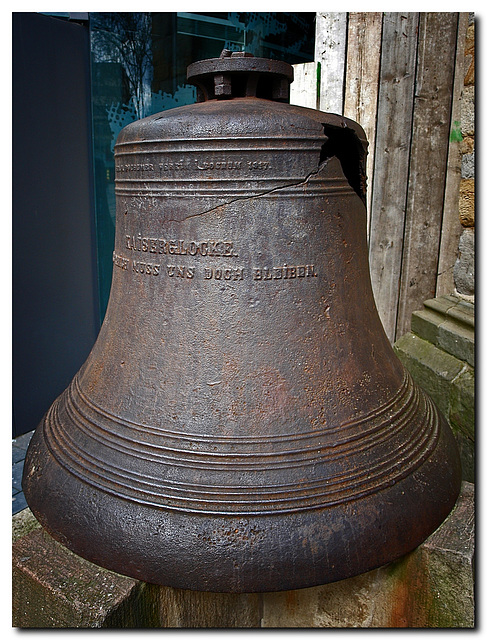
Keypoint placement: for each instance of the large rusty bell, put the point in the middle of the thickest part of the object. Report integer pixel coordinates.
(242, 423)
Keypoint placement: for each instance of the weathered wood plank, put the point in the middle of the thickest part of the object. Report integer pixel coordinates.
(304, 87)
(429, 148)
(330, 47)
(451, 227)
(362, 79)
(391, 165)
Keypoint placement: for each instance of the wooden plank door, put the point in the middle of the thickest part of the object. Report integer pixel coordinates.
(391, 163)
(428, 164)
(362, 80)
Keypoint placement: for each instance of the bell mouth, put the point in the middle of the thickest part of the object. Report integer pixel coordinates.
(238, 74)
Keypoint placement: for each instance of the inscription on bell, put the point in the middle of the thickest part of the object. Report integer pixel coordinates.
(194, 164)
(286, 272)
(212, 248)
(179, 271)
(120, 261)
(224, 273)
(146, 268)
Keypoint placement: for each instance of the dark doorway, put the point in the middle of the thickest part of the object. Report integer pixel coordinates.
(55, 301)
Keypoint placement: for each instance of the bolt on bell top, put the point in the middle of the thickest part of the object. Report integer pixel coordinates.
(242, 422)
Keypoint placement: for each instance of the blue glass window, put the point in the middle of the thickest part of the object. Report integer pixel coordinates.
(138, 67)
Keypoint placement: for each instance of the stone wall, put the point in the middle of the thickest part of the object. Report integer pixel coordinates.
(464, 270)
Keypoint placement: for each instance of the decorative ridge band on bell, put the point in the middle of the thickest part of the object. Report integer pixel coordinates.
(242, 422)
(283, 453)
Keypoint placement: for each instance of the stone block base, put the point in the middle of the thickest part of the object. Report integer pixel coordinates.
(54, 588)
(440, 355)
(430, 587)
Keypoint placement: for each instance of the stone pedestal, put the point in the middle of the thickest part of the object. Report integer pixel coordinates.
(430, 587)
(439, 352)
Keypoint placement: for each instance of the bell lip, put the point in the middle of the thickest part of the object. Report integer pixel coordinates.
(259, 565)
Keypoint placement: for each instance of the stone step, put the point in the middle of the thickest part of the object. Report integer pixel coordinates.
(449, 323)
(450, 382)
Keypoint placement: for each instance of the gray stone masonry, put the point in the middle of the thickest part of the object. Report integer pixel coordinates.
(464, 269)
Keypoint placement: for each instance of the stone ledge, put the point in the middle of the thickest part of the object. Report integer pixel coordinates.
(432, 368)
(432, 586)
(54, 588)
(450, 383)
(23, 523)
(449, 323)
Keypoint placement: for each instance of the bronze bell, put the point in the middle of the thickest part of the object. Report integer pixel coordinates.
(242, 423)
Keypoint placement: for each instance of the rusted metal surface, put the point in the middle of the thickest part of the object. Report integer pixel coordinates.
(242, 423)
